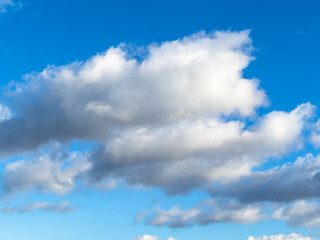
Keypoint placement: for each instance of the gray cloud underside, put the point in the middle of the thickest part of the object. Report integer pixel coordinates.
(283, 186)
(188, 156)
(289, 182)
(300, 214)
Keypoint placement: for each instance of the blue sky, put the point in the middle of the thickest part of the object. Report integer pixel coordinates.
(159, 120)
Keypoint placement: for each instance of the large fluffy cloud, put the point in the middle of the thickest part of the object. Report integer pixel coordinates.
(182, 118)
(190, 79)
(170, 109)
(176, 119)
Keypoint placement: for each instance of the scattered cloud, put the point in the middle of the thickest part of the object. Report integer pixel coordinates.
(6, 4)
(208, 212)
(146, 237)
(300, 213)
(292, 236)
(149, 237)
(61, 207)
(47, 173)
(287, 182)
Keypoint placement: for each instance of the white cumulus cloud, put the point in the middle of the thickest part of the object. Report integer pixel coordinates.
(182, 118)
(191, 79)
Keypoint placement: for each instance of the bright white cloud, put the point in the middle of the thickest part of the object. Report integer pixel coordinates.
(292, 236)
(191, 79)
